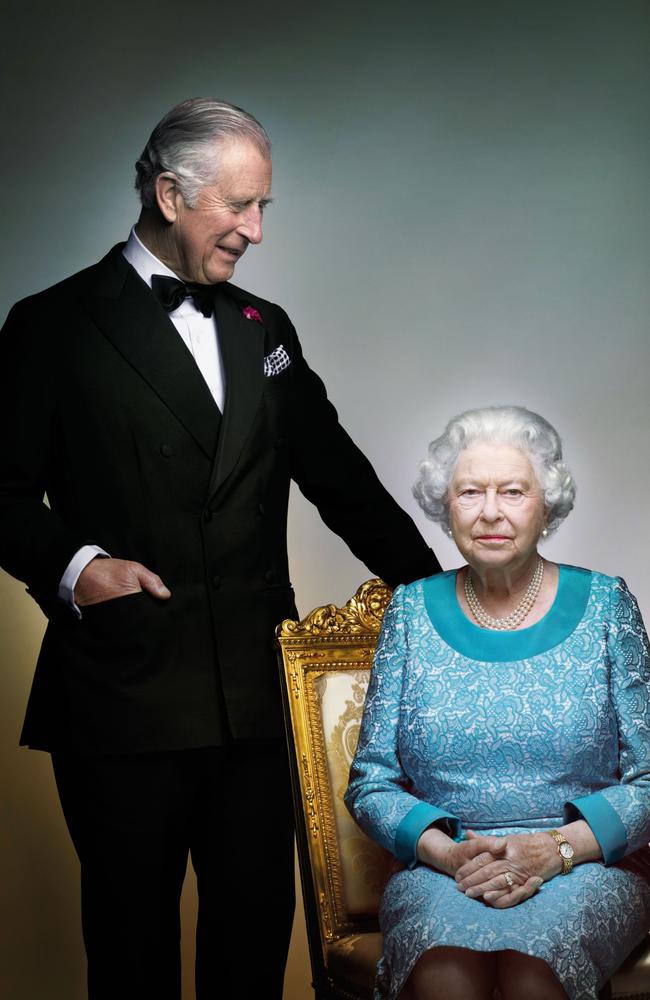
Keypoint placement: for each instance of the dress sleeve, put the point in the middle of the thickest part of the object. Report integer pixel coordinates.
(619, 815)
(378, 795)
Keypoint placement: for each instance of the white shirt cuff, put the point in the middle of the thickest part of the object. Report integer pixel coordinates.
(76, 566)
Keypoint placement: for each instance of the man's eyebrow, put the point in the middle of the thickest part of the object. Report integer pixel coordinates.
(262, 202)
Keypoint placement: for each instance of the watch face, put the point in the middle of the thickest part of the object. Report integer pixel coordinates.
(566, 850)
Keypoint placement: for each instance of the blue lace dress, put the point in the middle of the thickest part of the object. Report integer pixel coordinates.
(510, 732)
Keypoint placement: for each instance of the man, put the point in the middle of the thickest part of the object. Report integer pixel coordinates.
(164, 412)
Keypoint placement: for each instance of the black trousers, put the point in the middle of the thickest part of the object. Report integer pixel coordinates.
(134, 819)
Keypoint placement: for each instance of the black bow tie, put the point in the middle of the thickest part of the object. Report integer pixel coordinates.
(171, 292)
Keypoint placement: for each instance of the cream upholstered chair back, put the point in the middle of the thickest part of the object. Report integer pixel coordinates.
(338, 697)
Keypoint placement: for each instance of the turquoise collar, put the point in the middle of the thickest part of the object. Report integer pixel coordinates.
(567, 610)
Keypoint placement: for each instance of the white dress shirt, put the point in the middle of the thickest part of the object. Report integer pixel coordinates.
(199, 332)
(200, 336)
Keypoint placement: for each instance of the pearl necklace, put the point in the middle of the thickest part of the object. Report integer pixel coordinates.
(515, 617)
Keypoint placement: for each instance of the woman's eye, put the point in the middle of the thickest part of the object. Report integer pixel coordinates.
(513, 493)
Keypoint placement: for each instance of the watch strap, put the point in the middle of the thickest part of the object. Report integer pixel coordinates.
(559, 838)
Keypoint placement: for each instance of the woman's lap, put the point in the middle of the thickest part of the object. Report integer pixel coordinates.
(583, 925)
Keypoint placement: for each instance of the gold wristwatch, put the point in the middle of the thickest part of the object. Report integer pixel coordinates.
(565, 850)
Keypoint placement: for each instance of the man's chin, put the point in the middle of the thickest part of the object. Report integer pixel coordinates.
(223, 272)
(221, 265)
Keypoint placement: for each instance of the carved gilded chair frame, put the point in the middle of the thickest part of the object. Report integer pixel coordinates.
(329, 640)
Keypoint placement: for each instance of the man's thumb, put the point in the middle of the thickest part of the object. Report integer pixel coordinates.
(154, 585)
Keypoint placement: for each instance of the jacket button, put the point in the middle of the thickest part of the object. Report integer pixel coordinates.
(166, 450)
(269, 576)
(216, 581)
(261, 509)
(207, 515)
(279, 444)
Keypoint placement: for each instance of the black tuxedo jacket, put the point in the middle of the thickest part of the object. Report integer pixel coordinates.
(104, 410)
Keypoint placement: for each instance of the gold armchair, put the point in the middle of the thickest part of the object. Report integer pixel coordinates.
(325, 662)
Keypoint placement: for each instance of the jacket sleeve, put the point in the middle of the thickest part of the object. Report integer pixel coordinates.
(335, 476)
(619, 815)
(35, 545)
(378, 794)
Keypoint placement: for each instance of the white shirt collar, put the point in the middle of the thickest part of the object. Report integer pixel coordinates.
(144, 262)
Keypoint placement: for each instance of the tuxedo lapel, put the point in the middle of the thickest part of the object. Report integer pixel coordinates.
(242, 350)
(128, 314)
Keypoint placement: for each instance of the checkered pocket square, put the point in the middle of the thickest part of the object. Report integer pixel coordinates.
(276, 362)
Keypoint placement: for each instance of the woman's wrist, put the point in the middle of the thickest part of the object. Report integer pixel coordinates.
(584, 846)
(433, 848)
(582, 840)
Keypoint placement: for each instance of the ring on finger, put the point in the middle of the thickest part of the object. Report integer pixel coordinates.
(509, 879)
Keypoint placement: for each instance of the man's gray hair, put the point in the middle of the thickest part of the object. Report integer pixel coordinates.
(183, 142)
(511, 425)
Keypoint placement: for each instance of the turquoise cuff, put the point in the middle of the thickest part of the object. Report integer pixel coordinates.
(604, 821)
(416, 821)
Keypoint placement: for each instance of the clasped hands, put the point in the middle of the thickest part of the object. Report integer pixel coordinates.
(487, 865)
(479, 864)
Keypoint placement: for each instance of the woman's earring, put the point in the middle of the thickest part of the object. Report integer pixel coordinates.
(544, 532)
(450, 533)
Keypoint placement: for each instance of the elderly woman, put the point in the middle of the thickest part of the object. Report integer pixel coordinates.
(504, 754)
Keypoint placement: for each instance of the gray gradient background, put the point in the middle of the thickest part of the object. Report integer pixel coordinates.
(461, 218)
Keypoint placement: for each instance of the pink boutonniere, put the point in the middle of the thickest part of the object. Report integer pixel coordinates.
(251, 313)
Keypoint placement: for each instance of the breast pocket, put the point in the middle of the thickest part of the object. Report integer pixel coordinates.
(275, 385)
(276, 401)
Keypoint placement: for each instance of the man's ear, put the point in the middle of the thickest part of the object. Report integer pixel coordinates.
(168, 195)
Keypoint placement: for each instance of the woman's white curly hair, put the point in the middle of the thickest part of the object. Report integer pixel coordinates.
(511, 425)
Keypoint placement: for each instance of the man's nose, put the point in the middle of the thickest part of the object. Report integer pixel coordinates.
(251, 225)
